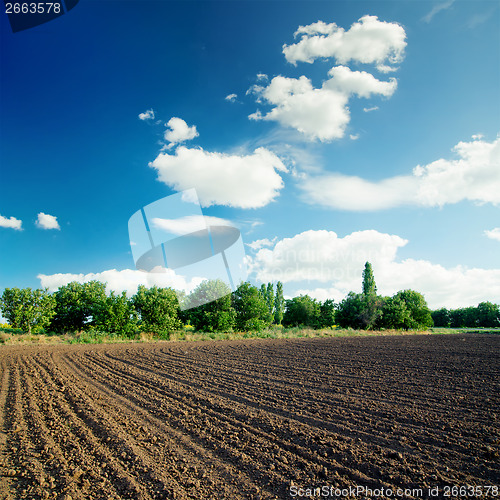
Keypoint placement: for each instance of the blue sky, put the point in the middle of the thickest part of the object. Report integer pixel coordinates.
(329, 133)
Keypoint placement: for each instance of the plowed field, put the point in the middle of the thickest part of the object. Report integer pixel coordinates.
(250, 419)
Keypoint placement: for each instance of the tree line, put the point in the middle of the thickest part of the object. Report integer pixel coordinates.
(78, 307)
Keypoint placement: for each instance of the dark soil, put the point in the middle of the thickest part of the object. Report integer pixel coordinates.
(251, 419)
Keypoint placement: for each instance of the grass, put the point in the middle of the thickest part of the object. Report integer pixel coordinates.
(11, 336)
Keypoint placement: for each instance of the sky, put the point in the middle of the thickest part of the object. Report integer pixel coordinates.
(330, 133)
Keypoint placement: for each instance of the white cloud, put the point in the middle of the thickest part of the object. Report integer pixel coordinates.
(354, 137)
(369, 110)
(189, 223)
(11, 223)
(322, 256)
(318, 113)
(126, 280)
(261, 77)
(494, 234)
(473, 176)
(147, 115)
(231, 97)
(258, 244)
(243, 181)
(179, 131)
(360, 83)
(436, 9)
(367, 41)
(46, 221)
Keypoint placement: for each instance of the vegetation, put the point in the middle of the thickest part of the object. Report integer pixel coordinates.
(85, 313)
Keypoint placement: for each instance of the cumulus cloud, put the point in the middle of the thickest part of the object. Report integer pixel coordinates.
(474, 175)
(242, 181)
(368, 41)
(258, 244)
(324, 257)
(231, 97)
(126, 280)
(46, 221)
(179, 131)
(11, 223)
(147, 115)
(318, 113)
(494, 234)
(189, 223)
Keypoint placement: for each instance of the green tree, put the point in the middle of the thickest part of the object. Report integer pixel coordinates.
(463, 317)
(215, 312)
(488, 315)
(117, 315)
(27, 309)
(369, 287)
(158, 309)
(420, 315)
(279, 304)
(270, 301)
(327, 314)
(302, 311)
(359, 311)
(395, 314)
(252, 312)
(77, 306)
(441, 318)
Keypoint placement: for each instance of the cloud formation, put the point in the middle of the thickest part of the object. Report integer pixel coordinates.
(46, 221)
(231, 97)
(147, 115)
(368, 41)
(474, 175)
(493, 234)
(324, 257)
(318, 113)
(242, 181)
(179, 131)
(258, 244)
(11, 223)
(436, 9)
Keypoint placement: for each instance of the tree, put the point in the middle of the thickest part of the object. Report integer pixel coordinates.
(117, 315)
(369, 287)
(77, 306)
(279, 304)
(252, 312)
(488, 315)
(327, 314)
(463, 317)
(420, 315)
(270, 301)
(395, 314)
(302, 311)
(158, 309)
(359, 311)
(216, 312)
(27, 309)
(441, 318)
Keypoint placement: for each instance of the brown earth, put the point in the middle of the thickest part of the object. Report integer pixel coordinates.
(251, 419)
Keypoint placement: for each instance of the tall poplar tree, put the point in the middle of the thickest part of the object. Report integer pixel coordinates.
(279, 304)
(369, 287)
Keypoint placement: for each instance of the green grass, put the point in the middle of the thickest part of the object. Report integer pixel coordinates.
(10, 336)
